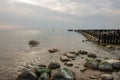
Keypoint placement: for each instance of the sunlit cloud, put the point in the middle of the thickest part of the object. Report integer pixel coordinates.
(77, 7)
(9, 27)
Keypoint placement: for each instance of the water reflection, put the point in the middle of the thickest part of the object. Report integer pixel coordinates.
(15, 53)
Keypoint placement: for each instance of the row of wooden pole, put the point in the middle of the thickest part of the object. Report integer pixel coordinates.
(105, 36)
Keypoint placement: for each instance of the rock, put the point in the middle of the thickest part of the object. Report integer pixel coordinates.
(62, 74)
(64, 58)
(106, 77)
(27, 75)
(44, 76)
(76, 66)
(109, 46)
(115, 64)
(83, 69)
(83, 40)
(42, 65)
(40, 70)
(91, 63)
(75, 53)
(83, 52)
(69, 64)
(69, 55)
(93, 77)
(105, 66)
(33, 43)
(92, 55)
(54, 65)
(53, 50)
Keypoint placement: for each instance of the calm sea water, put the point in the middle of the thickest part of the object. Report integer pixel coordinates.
(16, 55)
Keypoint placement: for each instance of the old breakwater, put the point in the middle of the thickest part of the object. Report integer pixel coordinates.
(103, 36)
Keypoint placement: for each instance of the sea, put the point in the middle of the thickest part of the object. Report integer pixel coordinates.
(16, 55)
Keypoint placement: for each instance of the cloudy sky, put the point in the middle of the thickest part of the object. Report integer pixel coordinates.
(59, 14)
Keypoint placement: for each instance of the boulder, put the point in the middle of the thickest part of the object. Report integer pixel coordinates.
(115, 64)
(40, 70)
(54, 65)
(44, 76)
(64, 58)
(109, 46)
(53, 50)
(62, 74)
(75, 53)
(83, 52)
(69, 55)
(83, 69)
(91, 63)
(27, 75)
(42, 65)
(106, 77)
(33, 43)
(92, 55)
(105, 66)
(69, 64)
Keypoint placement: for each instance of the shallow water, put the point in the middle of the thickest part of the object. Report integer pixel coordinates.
(16, 55)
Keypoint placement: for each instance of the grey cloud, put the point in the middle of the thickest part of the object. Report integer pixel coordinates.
(33, 16)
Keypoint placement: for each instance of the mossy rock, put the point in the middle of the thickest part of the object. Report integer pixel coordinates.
(27, 75)
(105, 66)
(40, 70)
(62, 74)
(91, 63)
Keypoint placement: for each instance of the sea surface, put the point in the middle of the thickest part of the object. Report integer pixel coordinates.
(16, 55)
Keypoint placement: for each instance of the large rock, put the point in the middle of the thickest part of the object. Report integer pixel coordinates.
(83, 52)
(44, 76)
(92, 55)
(91, 63)
(75, 53)
(62, 74)
(27, 75)
(115, 64)
(69, 64)
(33, 43)
(64, 58)
(105, 66)
(40, 70)
(69, 55)
(106, 77)
(54, 65)
(53, 50)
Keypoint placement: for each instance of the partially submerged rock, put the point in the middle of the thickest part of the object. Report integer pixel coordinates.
(91, 55)
(33, 43)
(75, 53)
(69, 64)
(115, 64)
(54, 65)
(27, 75)
(64, 58)
(53, 50)
(106, 77)
(69, 55)
(105, 66)
(83, 52)
(40, 70)
(62, 74)
(91, 63)
(44, 76)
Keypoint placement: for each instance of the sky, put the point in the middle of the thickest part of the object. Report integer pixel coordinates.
(60, 14)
